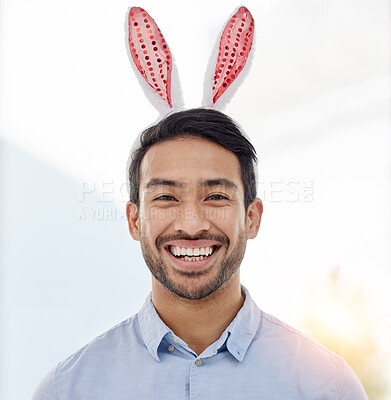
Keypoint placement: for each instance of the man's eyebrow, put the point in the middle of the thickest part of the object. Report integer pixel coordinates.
(163, 182)
(219, 182)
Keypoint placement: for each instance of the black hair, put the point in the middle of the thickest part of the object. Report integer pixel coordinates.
(201, 123)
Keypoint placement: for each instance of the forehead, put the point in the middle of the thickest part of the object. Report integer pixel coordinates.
(189, 160)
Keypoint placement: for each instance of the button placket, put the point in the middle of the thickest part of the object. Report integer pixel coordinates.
(198, 380)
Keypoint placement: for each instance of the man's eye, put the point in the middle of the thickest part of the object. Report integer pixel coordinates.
(217, 197)
(165, 197)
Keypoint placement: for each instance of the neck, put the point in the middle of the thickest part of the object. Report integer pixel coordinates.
(199, 323)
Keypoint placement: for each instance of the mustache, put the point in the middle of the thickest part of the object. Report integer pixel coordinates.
(183, 236)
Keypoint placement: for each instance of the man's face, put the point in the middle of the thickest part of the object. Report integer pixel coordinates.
(191, 219)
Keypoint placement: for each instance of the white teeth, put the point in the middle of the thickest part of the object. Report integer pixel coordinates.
(191, 254)
(186, 258)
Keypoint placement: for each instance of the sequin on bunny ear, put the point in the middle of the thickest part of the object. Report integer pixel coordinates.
(150, 52)
(235, 46)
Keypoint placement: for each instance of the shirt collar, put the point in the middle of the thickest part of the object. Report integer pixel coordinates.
(153, 329)
(242, 329)
(239, 333)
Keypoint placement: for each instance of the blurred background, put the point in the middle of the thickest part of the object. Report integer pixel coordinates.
(316, 104)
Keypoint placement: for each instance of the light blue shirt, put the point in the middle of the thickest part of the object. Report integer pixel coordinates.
(256, 357)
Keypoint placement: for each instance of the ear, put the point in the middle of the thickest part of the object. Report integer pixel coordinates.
(254, 216)
(133, 220)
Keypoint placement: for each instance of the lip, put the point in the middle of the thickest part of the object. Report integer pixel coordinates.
(193, 265)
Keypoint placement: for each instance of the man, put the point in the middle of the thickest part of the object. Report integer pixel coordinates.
(199, 335)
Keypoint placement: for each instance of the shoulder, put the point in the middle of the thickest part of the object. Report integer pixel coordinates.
(285, 335)
(277, 332)
(104, 350)
(297, 357)
(120, 337)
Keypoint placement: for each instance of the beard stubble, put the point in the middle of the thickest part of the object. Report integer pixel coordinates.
(191, 288)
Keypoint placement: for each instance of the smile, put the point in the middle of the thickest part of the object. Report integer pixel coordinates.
(192, 254)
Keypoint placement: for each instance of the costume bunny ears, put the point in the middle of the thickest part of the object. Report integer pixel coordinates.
(156, 70)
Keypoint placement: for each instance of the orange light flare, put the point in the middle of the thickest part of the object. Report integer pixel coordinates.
(338, 313)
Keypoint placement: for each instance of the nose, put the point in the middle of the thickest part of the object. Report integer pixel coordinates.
(191, 218)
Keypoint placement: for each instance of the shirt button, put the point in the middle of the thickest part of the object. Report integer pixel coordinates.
(198, 362)
(175, 340)
(171, 348)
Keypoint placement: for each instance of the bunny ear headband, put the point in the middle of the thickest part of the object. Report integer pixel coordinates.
(156, 70)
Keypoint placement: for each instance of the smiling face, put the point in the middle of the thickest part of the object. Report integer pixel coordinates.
(191, 219)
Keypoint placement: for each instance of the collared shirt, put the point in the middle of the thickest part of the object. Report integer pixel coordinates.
(256, 357)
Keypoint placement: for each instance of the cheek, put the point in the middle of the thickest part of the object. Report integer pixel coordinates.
(155, 221)
(229, 221)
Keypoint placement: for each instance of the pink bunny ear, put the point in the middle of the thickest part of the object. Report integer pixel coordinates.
(150, 52)
(235, 46)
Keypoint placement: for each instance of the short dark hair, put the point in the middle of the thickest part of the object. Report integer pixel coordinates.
(201, 123)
